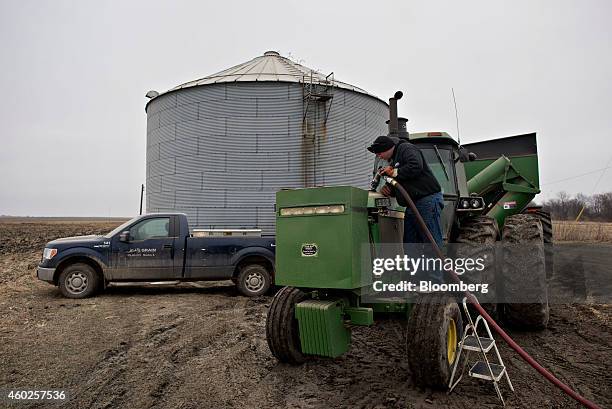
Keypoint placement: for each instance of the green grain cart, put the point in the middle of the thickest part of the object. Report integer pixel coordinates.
(320, 237)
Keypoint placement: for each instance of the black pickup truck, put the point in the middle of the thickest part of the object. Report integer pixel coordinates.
(157, 248)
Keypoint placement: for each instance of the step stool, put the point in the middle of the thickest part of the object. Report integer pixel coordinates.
(485, 369)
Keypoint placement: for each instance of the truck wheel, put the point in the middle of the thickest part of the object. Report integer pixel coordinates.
(476, 238)
(78, 280)
(435, 329)
(282, 332)
(524, 272)
(253, 280)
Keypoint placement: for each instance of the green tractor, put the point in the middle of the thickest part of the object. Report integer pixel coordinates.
(324, 235)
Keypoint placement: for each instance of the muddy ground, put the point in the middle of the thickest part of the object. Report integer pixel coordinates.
(204, 346)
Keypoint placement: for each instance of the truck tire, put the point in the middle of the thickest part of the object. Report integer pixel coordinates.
(435, 329)
(524, 272)
(476, 238)
(253, 280)
(282, 331)
(78, 280)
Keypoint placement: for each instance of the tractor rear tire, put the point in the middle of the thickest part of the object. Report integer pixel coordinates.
(476, 238)
(547, 229)
(478, 230)
(435, 329)
(524, 272)
(282, 332)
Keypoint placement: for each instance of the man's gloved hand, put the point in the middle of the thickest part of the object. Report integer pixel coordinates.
(389, 171)
(386, 191)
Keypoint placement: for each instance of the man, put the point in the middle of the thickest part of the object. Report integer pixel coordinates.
(413, 174)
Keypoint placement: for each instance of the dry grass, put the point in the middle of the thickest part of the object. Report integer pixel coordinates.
(582, 231)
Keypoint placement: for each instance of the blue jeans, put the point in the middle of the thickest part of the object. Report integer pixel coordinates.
(430, 208)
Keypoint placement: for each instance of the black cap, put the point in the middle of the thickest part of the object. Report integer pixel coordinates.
(381, 144)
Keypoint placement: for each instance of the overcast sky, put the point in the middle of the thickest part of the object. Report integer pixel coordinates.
(74, 76)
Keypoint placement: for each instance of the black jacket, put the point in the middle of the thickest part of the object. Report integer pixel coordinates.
(413, 173)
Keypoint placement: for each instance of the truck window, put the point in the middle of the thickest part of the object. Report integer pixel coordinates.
(151, 228)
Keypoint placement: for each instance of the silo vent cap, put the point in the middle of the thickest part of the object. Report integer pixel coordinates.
(152, 94)
(272, 53)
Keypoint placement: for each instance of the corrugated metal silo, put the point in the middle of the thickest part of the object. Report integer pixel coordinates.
(219, 148)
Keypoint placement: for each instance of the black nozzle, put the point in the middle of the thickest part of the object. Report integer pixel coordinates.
(398, 95)
(376, 180)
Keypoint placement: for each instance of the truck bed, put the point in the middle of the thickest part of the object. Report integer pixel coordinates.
(218, 257)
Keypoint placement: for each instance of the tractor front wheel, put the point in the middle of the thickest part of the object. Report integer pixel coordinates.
(435, 329)
(282, 330)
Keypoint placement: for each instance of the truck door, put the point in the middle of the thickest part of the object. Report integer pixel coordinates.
(150, 252)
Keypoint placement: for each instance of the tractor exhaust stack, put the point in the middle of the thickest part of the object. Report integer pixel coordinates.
(393, 122)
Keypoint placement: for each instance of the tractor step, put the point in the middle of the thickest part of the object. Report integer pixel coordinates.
(471, 343)
(480, 370)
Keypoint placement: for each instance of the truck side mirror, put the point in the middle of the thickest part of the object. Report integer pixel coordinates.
(125, 236)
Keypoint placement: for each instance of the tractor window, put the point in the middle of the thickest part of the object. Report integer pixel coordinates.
(440, 161)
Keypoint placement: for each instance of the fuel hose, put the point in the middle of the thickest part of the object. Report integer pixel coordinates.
(526, 357)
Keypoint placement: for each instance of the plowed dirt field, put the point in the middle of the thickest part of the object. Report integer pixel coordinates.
(202, 345)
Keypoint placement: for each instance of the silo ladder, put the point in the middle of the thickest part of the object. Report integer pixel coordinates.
(317, 90)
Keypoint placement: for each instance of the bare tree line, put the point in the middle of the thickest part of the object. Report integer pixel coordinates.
(597, 207)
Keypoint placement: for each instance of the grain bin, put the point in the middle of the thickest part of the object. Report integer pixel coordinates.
(218, 148)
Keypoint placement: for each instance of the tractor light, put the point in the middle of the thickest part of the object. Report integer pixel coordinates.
(470, 204)
(336, 209)
(308, 210)
(48, 254)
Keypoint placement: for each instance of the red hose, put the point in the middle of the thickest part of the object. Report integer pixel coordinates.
(554, 380)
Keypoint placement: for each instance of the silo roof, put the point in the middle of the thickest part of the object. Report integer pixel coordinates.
(269, 67)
